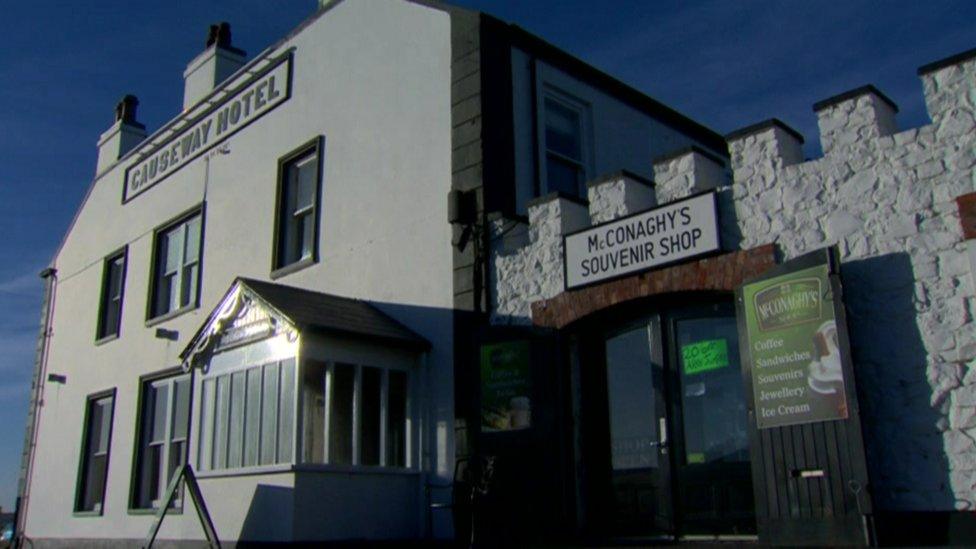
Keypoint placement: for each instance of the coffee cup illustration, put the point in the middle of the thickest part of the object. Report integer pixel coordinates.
(520, 412)
(826, 375)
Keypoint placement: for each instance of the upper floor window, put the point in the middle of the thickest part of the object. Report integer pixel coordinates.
(95, 446)
(565, 145)
(110, 305)
(162, 439)
(176, 274)
(296, 238)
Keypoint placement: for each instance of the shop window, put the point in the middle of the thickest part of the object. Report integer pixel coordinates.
(296, 229)
(356, 415)
(247, 417)
(95, 449)
(565, 146)
(110, 304)
(162, 438)
(176, 273)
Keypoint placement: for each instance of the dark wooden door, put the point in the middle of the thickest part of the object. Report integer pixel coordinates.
(811, 480)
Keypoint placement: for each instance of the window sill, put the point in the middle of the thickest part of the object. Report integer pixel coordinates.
(355, 469)
(292, 267)
(245, 471)
(170, 315)
(106, 339)
(307, 468)
(151, 512)
(86, 514)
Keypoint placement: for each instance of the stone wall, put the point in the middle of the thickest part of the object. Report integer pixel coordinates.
(887, 200)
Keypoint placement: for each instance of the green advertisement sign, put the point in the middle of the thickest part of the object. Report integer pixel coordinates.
(506, 403)
(705, 356)
(794, 350)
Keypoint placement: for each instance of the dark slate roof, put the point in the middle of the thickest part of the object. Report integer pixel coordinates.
(334, 314)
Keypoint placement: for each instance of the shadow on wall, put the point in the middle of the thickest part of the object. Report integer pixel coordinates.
(730, 235)
(902, 413)
(269, 518)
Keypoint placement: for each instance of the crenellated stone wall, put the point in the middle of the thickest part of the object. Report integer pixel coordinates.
(887, 200)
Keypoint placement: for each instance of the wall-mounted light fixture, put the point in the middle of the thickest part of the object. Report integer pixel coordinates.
(163, 333)
(57, 378)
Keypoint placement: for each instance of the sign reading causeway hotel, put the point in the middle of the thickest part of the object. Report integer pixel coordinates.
(794, 349)
(265, 91)
(673, 232)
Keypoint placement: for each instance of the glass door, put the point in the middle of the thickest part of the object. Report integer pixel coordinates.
(711, 452)
(637, 407)
(666, 451)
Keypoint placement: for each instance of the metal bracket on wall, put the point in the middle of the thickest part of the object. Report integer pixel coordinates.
(184, 473)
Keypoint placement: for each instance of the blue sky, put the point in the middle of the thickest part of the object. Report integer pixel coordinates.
(728, 64)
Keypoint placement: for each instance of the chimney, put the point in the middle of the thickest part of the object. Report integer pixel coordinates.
(124, 134)
(218, 61)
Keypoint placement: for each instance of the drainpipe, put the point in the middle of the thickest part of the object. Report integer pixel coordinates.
(49, 276)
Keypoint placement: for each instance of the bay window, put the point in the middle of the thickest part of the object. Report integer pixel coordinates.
(247, 417)
(356, 415)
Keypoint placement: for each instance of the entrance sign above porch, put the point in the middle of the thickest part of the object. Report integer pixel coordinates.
(660, 236)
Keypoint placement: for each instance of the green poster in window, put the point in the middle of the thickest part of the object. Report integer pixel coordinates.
(505, 387)
(794, 348)
(704, 356)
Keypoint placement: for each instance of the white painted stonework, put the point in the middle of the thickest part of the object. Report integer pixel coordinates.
(887, 200)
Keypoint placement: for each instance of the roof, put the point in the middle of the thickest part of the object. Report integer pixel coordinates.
(307, 310)
(331, 313)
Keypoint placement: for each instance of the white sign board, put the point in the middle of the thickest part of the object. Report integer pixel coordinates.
(239, 108)
(666, 234)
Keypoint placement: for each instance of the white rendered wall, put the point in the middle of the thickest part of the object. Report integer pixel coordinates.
(384, 109)
(887, 200)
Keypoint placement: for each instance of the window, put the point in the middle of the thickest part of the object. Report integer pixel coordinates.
(110, 305)
(176, 275)
(356, 415)
(247, 417)
(95, 447)
(565, 161)
(162, 438)
(296, 229)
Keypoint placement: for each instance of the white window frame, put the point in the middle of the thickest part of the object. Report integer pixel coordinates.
(206, 438)
(288, 213)
(105, 332)
(158, 274)
(583, 111)
(88, 453)
(144, 422)
(409, 462)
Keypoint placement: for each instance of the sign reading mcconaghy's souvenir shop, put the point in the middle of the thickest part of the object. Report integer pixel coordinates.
(794, 349)
(673, 232)
(259, 95)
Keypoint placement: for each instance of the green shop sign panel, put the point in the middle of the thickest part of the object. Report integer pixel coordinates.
(794, 351)
(505, 387)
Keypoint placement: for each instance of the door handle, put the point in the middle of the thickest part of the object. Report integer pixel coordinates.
(662, 430)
